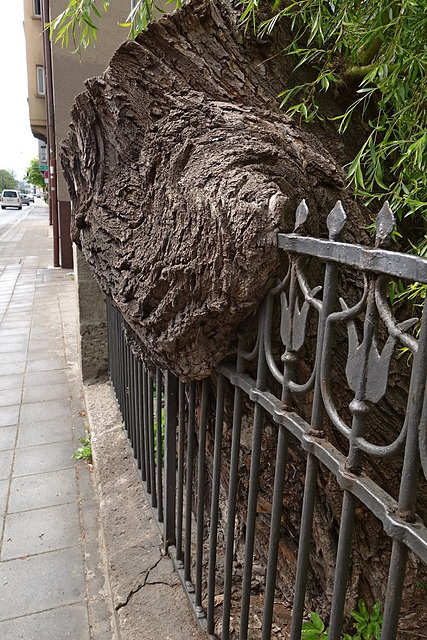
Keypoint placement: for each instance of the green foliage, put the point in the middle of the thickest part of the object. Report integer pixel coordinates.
(378, 51)
(7, 180)
(84, 452)
(367, 625)
(34, 175)
(76, 23)
(162, 427)
(315, 629)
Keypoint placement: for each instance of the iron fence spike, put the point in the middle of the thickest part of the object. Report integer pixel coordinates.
(384, 226)
(336, 221)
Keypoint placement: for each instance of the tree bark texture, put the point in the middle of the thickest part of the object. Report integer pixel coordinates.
(181, 169)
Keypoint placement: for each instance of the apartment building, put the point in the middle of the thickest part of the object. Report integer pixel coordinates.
(55, 76)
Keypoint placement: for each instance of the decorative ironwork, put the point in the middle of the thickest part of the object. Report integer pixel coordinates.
(374, 336)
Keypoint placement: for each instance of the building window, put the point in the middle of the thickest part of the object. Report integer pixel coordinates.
(40, 81)
(37, 8)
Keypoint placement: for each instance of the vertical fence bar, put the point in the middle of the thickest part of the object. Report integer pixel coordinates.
(132, 399)
(138, 412)
(119, 390)
(408, 486)
(180, 488)
(126, 385)
(141, 439)
(359, 409)
(160, 447)
(330, 295)
(146, 428)
(189, 488)
(151, 437)
(216, 478)
(201, 497)
(273, 547)
(342, 565)
(171, 410)
(121, 385)
(232, 492)
(258, 423)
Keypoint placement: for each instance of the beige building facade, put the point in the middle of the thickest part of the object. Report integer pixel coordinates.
(56, 76)
(35, 68)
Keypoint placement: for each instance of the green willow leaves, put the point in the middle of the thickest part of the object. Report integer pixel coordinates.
(380, 50)
(77, 23)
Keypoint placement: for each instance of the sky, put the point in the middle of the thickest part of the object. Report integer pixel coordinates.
(17, 144)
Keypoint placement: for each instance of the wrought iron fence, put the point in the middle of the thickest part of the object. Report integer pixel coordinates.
(190, 441)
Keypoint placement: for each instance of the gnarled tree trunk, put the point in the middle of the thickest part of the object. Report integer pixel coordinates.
(181, 169)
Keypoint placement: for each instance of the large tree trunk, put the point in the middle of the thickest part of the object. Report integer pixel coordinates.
(181, 169)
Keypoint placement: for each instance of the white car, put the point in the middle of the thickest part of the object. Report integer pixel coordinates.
(10, 198)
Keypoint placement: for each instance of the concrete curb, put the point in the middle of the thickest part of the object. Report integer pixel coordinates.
(148, 598)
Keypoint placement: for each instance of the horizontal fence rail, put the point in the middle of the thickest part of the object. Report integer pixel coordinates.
(204, 453)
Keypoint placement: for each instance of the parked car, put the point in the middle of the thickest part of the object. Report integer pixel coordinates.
(10, 198)
(24, 198)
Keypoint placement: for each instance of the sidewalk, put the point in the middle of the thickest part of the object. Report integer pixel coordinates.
(80, 553)
(52, 584)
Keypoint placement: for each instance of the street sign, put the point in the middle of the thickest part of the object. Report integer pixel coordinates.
(43, 167)
(46, 174)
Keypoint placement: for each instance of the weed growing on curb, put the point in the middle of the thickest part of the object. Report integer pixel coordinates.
(84, 452)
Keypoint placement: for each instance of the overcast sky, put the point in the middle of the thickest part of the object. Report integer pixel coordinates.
(17, 144)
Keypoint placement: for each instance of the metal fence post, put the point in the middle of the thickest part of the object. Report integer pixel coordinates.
(171, 421)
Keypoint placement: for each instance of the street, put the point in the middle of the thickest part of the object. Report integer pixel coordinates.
(10, 217)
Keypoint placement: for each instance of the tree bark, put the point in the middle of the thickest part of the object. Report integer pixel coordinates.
(181, 169)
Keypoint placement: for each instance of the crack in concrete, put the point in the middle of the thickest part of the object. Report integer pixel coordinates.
(140, 586)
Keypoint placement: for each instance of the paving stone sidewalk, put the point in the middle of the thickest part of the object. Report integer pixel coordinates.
(52, 584)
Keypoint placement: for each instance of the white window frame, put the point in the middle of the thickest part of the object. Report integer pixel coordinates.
(37, 8)
(40, 80)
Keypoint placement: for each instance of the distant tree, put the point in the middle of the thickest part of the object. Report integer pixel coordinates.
(7, 180)
(34, 175)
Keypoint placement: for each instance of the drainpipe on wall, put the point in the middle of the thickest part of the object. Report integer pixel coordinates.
(53, 198)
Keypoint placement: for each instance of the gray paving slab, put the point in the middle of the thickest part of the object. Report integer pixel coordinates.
(34, 433)
(47, 392)
(41, 582)
(47, 364)
(4, 489)
(43, 458)
(7, 437)
(85, 481)
(43, 490)
(11, 368)
(9, 415)
(6, 459)
(11, 382)
(10, 396)
(42, 353)
(45, 410)
(43, 378)
(18, 343)
(42, 530)
(63, 623)
(13, 356)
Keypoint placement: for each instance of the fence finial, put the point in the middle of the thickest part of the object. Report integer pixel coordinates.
(384, 226)
(301, 214)
(336, 221)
